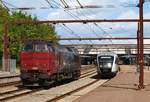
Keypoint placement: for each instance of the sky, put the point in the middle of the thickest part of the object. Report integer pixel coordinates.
(110, 9)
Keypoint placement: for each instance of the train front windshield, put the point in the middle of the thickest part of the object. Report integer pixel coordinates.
(36, 47)
(105, 61)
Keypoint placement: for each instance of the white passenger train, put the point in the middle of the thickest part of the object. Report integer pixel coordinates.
(107, 64)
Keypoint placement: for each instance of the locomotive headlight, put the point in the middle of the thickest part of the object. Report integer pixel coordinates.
(64, 63)
(100, 66)
(109, 64)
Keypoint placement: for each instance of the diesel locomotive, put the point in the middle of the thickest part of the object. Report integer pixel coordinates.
(43, 63)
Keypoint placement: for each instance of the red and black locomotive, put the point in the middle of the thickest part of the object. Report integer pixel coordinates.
(45, 62)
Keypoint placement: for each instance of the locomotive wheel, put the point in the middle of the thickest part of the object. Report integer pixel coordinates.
(43, 83)
(99, 75)
(46, 84)
(24, 82)
(76, 75)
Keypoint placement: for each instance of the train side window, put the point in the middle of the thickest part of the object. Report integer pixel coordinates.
(50, 48)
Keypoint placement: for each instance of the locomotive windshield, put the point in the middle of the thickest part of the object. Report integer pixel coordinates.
(36, 47)
(105, 61)
(28, 47)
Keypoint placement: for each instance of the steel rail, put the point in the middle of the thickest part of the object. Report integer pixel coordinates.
(34, 90)
(19, 95)
(11, 76)
(73, 91)
(10, 84)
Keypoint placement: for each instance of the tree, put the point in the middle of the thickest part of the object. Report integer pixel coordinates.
(20, 33)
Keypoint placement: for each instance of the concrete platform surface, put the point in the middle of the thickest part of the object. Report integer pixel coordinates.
(122, 88)
(7, 74)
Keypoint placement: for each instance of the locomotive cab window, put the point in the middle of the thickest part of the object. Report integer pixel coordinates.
(106, 59)
(41, 48)
(28, 47)
(50, 48)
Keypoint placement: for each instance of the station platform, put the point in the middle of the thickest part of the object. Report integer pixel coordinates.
(122, 88)
(7, 74)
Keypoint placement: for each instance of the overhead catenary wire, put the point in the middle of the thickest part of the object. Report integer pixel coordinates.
(88, 24)
(96, 24)
(78, 18)
(68, 12)
(11, 5)
(64, 3)
(4, 5)
(48, 1)
(104, 31)
(72, 2)
(65, 24)
(72, 32)
(79, 3)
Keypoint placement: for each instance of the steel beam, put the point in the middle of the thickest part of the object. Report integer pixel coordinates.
(6, 56)
(77, 21)
(117, 38)
(141, 45)
(146, 49)
(138, 46)
(102, 44)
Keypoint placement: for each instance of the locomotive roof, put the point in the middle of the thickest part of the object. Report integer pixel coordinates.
(107, 53)
(38, 41)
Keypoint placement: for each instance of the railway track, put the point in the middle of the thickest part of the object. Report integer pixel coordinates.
(9, 80)
(71, 92)
(11, 76)
(15, 83)
(17, 93)
(5, 96)
(18, 82)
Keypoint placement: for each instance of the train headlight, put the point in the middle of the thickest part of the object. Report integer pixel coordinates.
(109, 64)
(64, 63)
(100, 66)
